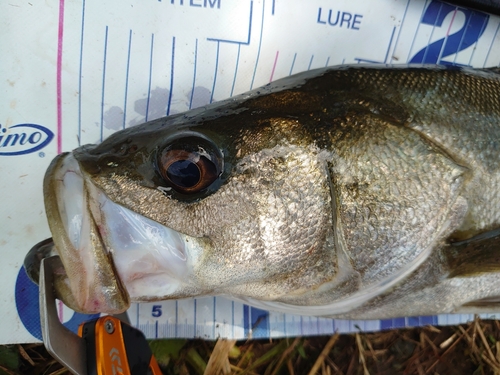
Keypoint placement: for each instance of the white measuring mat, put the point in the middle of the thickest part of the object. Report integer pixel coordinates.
(74, 72)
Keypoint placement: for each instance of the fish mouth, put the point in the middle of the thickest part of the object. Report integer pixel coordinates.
(111, 255)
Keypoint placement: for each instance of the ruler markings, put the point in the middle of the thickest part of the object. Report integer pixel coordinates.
(176, 318)
(126, 79)
(195, 320)
(427, 48)
(293, 63)
(103, 81)
(327, 61)
(485, 24)
(389, 46)
(274, 66)
(213, 315)
(194, 72)
(80, 76)
(273, 7)
(400, 28)
(171, 77)
(416, 32)
(215, 72)
(236, 69)
(310, 62)
(440, 56)
(491, 45)
(260, 44)
(60, 33)
(150, 75)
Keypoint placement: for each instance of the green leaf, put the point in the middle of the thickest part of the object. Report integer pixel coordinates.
(9, 357)
(166, 350)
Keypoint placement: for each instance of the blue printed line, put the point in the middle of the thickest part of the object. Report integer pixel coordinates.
(235, 41)
(293, 63)
(215, 73)
(459, 48)
(274, 3)
(246, 320)
(103, 80)
(389, 46)
(491, 46)
(236, 69)
(310, 62)
(194, 323)
(416, 32)
(213, 317)
(80, 78)
(432, 33)
(150, 74)
(171, 76)
(401, 28)
(194, 73)
(126, 80)
(232, 318)
(137, 316)
(156, 329)
(260, 43)
(327, 61)
(485, 23)
(176, 318)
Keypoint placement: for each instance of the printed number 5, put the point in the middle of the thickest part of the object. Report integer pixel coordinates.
(156, 311)
(473, 28)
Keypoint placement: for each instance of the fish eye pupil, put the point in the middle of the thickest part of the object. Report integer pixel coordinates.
(184, 173)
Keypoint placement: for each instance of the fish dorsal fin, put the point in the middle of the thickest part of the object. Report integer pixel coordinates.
(479, 254)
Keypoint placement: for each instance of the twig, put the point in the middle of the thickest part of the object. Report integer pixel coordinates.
(361, 354)
(324, 353)
(485, 343)
(285, 354)
(219, 360)
(25, 355)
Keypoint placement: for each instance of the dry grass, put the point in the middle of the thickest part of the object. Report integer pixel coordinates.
(467, 349)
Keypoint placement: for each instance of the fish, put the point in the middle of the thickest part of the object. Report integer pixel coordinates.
(362, 192)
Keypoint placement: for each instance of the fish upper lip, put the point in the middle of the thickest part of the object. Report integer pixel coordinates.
(107, 250)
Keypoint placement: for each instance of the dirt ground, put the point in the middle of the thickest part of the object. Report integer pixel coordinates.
(466, 349)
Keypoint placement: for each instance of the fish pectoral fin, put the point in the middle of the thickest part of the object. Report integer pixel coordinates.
(477, 255)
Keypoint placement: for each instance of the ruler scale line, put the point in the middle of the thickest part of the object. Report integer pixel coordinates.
(171, 77)
(103, 89)
(400, 29)
(491, 45)
(150, 75)
(60, 33)
(260, 44)
(215, 73)
(408, 58)
(483, 28)
(274, 66)
(293, 63)
(194, 73)
(236, 69)
(126, 80)
(80, 76)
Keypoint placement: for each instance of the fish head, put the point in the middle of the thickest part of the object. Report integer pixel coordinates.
(233, 199)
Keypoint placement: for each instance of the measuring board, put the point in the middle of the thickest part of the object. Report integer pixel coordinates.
(74, 72)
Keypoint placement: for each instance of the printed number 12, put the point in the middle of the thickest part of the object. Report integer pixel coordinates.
(473, 28)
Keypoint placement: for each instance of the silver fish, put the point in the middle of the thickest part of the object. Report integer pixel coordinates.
(357, 192)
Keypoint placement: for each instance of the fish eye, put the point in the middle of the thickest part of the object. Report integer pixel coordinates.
(189, 165)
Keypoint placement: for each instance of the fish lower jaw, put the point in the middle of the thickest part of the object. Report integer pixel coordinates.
(112, 255)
